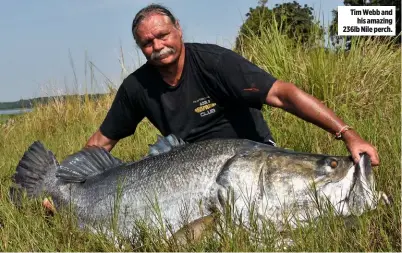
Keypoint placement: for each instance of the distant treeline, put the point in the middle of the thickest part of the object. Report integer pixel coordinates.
(29, 103)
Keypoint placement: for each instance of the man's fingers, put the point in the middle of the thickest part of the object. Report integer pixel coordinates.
(356, 157)
(357, 147)
(375, 160)
(373, 154)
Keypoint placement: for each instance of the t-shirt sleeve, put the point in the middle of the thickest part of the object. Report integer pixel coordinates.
(123, 116)
(242, 81)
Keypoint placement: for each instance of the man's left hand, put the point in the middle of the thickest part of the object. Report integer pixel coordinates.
(356, 145)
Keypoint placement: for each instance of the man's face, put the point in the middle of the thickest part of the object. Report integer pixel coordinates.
(159, 39)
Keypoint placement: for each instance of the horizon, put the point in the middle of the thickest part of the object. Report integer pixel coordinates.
(45, 50)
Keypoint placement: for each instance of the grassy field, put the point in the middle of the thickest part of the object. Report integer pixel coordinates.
(362, 86)
(5, 117)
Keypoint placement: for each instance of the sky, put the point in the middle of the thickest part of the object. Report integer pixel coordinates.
(48, 46)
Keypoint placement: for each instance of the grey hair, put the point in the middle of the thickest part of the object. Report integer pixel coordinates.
(150, 9)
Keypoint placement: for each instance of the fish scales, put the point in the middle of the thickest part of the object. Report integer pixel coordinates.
(191, 180)
(186, 172)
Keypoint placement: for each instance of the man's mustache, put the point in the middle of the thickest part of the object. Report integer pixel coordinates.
(165, 51)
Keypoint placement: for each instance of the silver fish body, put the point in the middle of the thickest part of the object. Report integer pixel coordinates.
(193, 180)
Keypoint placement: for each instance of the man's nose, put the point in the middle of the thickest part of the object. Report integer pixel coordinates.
(157, 45)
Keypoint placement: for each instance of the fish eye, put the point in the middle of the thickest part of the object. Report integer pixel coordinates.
(333, 164)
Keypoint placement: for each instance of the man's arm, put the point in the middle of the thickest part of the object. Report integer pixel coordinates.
(122, 118)
(99, 140)
(292, 99)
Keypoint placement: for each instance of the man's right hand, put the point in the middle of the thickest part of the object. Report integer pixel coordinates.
(99, 140)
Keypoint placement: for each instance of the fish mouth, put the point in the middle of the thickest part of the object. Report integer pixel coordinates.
(362, 195)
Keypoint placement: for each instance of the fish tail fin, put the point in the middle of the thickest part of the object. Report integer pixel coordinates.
(31, 172)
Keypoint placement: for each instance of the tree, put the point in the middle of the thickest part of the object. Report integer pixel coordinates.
(333, 29)
(294, 20)
(336, 39)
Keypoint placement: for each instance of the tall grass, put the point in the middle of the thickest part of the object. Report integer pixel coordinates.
(5, 117)
(361, 86)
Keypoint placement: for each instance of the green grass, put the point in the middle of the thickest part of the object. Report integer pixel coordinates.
(5, 117)
(362, 87)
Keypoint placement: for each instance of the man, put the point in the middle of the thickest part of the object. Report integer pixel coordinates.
(201, 91)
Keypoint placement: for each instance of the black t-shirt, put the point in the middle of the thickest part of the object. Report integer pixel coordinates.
(219, 94)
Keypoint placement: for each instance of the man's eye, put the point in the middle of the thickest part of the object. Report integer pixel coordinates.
(146, 43)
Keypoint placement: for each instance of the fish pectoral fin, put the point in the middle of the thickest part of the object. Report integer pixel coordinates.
(86, 163)
(194, 230)
(165, 144)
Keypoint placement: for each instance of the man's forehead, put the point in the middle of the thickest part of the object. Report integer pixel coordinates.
(155, 19)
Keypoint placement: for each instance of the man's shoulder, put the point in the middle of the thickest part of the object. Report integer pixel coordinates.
(207, 56)
(206, 49)
(144, 70)
(138, 76)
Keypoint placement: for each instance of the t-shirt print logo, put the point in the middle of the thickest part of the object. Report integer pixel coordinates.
(205, 107)
(252, 89)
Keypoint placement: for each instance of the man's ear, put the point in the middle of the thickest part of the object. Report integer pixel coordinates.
(178, 27)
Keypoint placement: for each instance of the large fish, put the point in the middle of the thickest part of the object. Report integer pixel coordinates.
(191, 181)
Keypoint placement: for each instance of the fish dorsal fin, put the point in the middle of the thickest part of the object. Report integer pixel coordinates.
(165, 144)
(88, 162)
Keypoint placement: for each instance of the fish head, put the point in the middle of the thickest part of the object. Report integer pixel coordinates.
(347, 186)
(318, 180)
